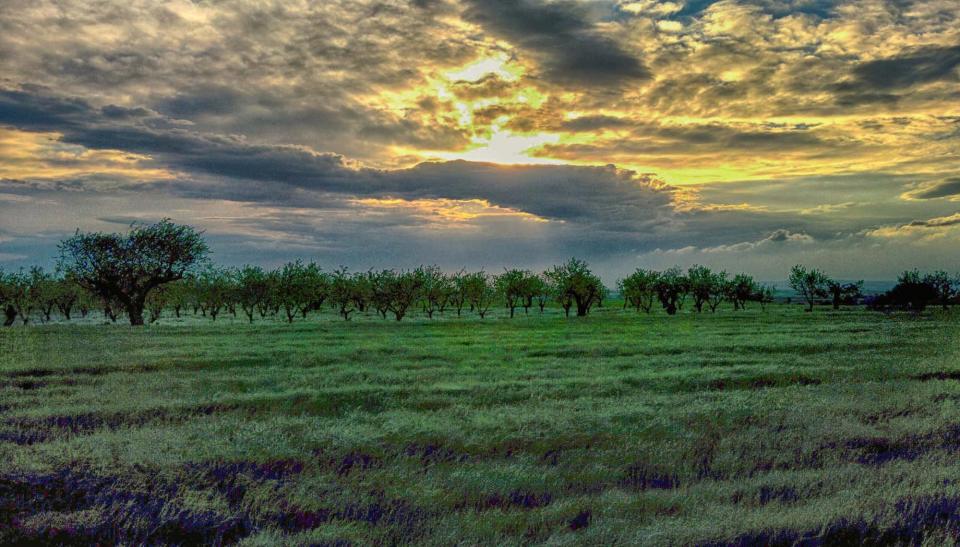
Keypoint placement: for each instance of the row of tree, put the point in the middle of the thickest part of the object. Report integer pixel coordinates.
(913, 291)
(703, 286)
(36, 292)
(164, 267)
(298, 288)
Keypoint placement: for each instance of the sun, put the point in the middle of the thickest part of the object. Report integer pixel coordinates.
(505, 147)
(499, 65)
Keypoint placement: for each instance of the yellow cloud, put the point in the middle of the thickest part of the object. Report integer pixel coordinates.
(29, 155)
(446, 212)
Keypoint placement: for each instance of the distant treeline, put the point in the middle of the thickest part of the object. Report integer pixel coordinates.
(164, 268)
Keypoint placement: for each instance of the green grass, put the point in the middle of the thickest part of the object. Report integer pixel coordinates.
(619, 428)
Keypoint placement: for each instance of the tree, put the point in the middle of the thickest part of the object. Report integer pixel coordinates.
(946, 286)
(362, 291)
(316, 288)
(19, 296)
(913, 291)
(6, 300)
(380, 283)
(43, 292)
(706, 287)
(342, 292)
(270, 303)
(214, 288)
(253, 288)
(458, 291)
(157, 301)
(740, 289)
(68, 295)
(512, 286)
(127, 267)
(574, 283)
(480, 292)
(300, 288)
(719, 291)
(638, 289)
(763, 295)
(809, 284)
(435, 291)
(844, 293)
(403, 289)
(178, 295)
(85, 301)
(110, 307)
(537, 289)
(671, 286)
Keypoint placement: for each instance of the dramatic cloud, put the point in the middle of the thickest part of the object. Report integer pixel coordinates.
(562, 37)
(746, 133)
(929, 64)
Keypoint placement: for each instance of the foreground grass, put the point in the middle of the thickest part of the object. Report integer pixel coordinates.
(750, 427)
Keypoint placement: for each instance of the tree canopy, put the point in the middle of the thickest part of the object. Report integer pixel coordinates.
(126, 267)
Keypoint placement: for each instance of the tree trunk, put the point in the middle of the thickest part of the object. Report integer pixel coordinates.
(135, 311)
(11, 316)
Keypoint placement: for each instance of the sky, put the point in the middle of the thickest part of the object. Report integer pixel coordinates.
(745, 135)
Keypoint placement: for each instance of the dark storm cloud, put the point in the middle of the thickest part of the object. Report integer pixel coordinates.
(924, 65)
(562, 37)
(29, 108)
(276, 120)
(880, 80)
(662, 142)
(284, 116)
(586, 194)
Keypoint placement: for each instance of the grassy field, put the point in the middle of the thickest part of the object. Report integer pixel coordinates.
(620, 428)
